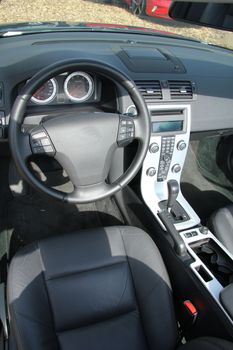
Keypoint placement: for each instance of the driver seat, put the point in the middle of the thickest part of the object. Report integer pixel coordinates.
(105, 288)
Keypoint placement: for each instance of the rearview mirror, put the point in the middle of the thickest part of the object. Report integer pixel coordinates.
(210, 14)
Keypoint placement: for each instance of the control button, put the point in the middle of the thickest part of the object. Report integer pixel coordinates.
(176, 168)
(39, 135)
(38, 150)
(188, 234)
(41, 143)
(151, 172)
(45, 142)
(204, 230)
(122, 129)
(166, 157)
(181, 145)
(167, 147)
(122, 137)
(36, 142)
(48, 149)
(154, 147)
(126, 131)
(194, 233)
(129, 122)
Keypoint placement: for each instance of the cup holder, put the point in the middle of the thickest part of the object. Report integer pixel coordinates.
(215, 259)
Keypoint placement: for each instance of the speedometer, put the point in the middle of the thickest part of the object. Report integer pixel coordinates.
(79, 86)
(45, 93)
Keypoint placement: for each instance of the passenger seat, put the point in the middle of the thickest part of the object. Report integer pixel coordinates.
(221, 225)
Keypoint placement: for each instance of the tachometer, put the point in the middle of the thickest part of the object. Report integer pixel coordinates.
(45, 93)
(79, 86)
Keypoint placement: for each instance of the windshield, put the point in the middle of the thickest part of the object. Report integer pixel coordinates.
(147, 14)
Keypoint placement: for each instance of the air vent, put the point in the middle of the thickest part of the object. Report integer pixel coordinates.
(180, 90)
(150, 90)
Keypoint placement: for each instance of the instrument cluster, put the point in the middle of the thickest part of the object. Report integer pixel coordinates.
(75, 87)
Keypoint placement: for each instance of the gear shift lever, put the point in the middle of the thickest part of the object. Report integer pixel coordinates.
(173, 191)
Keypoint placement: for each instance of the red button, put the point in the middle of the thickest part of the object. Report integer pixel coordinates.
(190, 307)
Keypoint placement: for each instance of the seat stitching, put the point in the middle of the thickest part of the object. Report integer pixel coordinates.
(99, 322)
(47, 293)
(16, 328)
(33, 320)
(83, 271)
(146, 340)
(123, 292)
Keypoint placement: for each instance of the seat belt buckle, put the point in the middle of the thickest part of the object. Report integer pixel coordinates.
(191, 311)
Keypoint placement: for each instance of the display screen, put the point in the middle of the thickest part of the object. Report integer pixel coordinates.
(166, 126)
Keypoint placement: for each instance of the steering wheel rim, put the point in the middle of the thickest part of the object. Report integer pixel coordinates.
(20, 142)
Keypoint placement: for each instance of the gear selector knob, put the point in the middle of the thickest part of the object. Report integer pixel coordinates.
(173, 191)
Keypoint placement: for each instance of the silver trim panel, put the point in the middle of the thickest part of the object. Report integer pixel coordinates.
(153, 191)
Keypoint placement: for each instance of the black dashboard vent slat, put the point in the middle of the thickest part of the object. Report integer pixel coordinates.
(180, 90)
(150, 90)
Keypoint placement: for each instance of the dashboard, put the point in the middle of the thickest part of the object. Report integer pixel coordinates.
(168, 72)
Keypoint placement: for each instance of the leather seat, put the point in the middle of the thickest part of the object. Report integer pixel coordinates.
(221, 224)
(103, 289)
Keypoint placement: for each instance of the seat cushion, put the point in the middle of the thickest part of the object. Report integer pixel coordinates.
(221, 224)
(207, 343)
(105, 288)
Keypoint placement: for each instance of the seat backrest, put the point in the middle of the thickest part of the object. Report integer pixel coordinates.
(98, 289)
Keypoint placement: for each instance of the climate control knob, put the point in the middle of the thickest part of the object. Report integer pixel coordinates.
(204, 230)
(154, 147)
(181, 145)
(151, 171)
(176, 168)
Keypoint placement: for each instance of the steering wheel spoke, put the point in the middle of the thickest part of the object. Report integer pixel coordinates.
(25, 146)
(85, 194)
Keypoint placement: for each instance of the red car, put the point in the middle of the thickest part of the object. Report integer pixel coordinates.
(153, 8)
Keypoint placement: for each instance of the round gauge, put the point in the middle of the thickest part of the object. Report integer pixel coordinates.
(45, 93)
(79, 86)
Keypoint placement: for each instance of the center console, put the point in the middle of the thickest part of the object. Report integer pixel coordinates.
(170, 132)
(209, 260)
(212, 264)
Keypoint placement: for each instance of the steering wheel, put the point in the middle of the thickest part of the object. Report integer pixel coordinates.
(83, 143)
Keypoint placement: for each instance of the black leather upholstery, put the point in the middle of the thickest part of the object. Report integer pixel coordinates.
(96, 289)
(207, 343)
(221, 224)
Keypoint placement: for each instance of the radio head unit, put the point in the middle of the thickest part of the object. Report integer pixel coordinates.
(168, 124)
